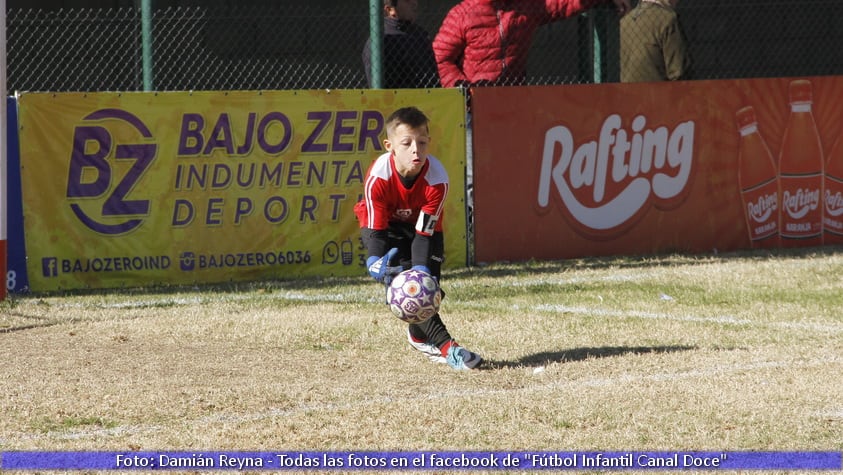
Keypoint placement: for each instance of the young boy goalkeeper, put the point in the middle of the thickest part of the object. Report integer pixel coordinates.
(400, 218)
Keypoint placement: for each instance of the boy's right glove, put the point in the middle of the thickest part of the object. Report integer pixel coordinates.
(379, 267)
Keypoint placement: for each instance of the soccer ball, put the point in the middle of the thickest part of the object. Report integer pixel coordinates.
(413, 296)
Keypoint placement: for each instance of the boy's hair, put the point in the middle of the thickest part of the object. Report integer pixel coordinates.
(409, 116)
(390, 3)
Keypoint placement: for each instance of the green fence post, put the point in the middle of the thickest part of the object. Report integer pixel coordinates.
(146, 39)
(599, 46)
(376, 43)
(598, 34)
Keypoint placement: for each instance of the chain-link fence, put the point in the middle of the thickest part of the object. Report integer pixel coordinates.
(316, 45)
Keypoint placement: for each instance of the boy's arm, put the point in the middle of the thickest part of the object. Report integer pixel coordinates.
(374, 217)
(429, 222)
(421, 250)
(376, 241)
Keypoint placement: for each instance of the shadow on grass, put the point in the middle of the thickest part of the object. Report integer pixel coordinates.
(580, 354)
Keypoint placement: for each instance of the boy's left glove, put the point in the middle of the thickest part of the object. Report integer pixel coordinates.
(379, 267)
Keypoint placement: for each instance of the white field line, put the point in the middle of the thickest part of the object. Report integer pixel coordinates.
(604, 312)
(717, 319)
(623, 381)
(542, 308)
(356, 297)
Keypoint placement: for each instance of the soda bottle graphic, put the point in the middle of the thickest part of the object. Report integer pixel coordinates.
(801, 173)
(833, 195)
(758, 182)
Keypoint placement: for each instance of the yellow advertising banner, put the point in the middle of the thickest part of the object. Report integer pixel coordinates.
(130, 189)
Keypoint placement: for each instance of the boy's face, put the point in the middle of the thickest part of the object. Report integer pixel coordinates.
(409, 147)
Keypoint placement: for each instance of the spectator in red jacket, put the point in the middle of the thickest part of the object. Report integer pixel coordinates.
(487, 41)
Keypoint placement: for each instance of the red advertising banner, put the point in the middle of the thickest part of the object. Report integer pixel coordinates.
(587, 170)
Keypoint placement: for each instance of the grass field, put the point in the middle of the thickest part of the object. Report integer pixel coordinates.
(729, 352)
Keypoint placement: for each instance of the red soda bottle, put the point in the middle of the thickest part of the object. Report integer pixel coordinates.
(801, 173)
(758, 182)
(833, 195)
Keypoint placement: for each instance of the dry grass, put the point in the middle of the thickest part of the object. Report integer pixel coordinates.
(737, 352)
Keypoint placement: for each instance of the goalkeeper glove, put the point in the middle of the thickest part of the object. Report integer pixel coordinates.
(421, 268)
(380, 269)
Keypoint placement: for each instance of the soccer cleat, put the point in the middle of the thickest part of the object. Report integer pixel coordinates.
(432, 353)
(460, 358)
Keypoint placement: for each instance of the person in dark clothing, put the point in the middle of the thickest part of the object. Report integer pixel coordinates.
(408, 61)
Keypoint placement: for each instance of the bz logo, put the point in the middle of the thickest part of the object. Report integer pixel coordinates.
(90, 174)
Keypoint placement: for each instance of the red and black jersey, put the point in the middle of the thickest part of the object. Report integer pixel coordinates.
(387, 200)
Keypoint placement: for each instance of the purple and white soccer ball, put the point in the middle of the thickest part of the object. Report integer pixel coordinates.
(413, 296)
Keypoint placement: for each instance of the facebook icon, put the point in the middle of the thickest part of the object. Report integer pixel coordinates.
(50, 267)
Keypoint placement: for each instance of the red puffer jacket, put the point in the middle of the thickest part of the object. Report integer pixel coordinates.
(487, 41)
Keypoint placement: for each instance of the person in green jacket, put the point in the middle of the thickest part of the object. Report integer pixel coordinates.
(653, 46)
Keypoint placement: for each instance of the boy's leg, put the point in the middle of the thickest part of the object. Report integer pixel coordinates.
(432, 330)
(432, 352)
(432, 333)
